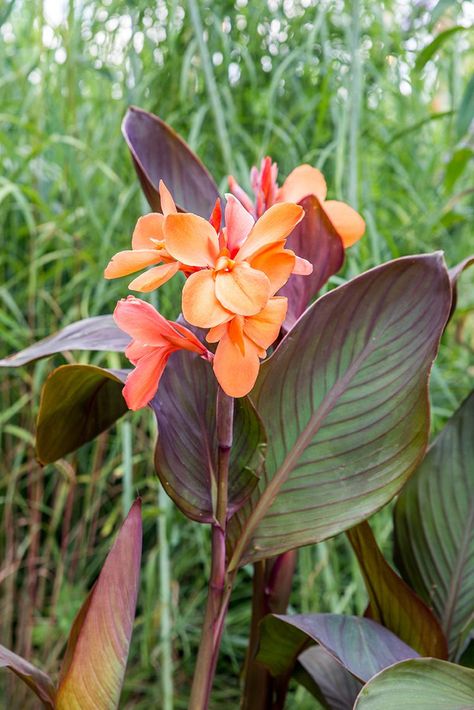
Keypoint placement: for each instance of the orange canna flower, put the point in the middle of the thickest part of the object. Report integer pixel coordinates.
(154, 339)
(148, 249)
(242, 342)
(237, 268)
(301, 182)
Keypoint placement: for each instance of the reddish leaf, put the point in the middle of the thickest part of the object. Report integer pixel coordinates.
(392, 602)
(325, 678)
(161, 154)
(39, 682)
(98, 333)
(316, 240)
(96, 657)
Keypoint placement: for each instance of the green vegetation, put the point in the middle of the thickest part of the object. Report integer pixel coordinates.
(358, 89)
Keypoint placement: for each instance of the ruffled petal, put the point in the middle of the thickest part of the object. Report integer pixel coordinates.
(200, 305)
(153, 278)
(301, 182)
(191, 239)
(142, 322)
(127, 262)
(272, 227)
(277, 263)
(242, 290)
(236, 373)
(303, 267)
(238, 223)
(142, 383)
(148, 227)
(347, 222)
(263, 329)
(167, 203)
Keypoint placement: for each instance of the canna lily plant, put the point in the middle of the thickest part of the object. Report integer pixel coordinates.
(285, 420)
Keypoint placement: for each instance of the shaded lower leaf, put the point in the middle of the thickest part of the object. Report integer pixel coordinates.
(159, 153)
(99, 333)
(419, 684)
(96, 657)
(454, 274)
(186, 451)
(434, 527)
(326, 679)
(316, 240)
(40, 683)
(78, 402)
(344, 402)
(360, 645)
(392, 602)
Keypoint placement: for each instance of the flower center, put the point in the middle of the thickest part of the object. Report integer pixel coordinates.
(224, 262)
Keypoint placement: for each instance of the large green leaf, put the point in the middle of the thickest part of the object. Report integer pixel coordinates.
(434, 527)
(78, 402)
(40, 683)
(361, 645)
(98, 333)
(344, 402)
(96, 657)
(159, 153)
(186, 452)
(420, 684)
(392, 602)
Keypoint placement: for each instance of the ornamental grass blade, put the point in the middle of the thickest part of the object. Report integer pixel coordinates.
(434, 528)
(360, 645)
(186, 451)
(40, 683)
(316, 240)
(96, 657)
(78, 402)
(344, 401)
(159, 153)
(326, 679)
(420, 684)
(99, 333)
(392, 602)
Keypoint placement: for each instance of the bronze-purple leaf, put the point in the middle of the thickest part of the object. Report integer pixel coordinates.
(159, 153)
(40, 683)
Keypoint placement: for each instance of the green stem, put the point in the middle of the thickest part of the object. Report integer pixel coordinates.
(166, 649)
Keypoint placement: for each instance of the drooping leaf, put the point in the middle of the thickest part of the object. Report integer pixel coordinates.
(326, 679)
(99, 333)
(361, 645)
(419, 684)
(466, 109)
(159, 153)
(40, 683)
(78, 402)
(94, 665)
(454, 274)
(344, 402)
(316, 240)
(427, 52)
(186, 452)
(434, 527)
(392, 602)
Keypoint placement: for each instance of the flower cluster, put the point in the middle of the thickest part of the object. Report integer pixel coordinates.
(234, 267)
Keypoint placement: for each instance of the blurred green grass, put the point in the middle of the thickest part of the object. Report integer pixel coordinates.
(333, 83)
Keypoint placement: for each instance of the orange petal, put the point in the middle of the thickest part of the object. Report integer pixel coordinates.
(240, 194)
(200, 305)
(142, 383)
(153, 278)
(263, 328)
(148, 227)
(301, 182)
(347, 222)
(238, 223)
(236, 373)
(242, 290)
(272, 227)
(127, 262)
(186, 340)
(167, 203)
(277, 263)
(303, 267)
(191, 239)
(142, 322)
(216, 333)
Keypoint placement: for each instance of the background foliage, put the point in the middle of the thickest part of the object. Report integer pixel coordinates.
(356, 88)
